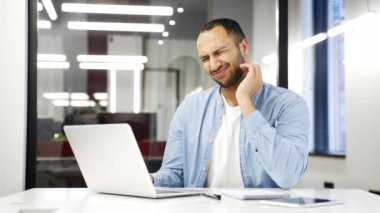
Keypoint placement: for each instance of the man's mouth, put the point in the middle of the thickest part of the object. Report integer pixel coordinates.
(220, 73)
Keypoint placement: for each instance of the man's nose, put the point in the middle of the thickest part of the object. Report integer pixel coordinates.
(214, 64)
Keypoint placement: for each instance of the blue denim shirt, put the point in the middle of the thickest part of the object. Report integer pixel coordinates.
(273, 141)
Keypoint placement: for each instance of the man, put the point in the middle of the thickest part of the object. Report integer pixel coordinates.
(241, 132)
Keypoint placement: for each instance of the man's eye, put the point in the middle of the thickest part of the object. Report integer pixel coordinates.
(219, 52)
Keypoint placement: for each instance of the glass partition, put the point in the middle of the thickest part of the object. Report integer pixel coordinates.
(116, 61)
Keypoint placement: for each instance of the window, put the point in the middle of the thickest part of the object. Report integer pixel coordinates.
(323, 71)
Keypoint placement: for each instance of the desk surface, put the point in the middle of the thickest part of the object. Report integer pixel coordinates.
(62, 200)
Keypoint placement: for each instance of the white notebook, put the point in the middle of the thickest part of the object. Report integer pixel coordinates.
(255, 194)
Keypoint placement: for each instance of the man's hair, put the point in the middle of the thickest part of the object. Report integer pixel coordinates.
(231, 27)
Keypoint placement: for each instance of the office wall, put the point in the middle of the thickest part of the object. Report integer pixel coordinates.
(13, 70)
(360, 168)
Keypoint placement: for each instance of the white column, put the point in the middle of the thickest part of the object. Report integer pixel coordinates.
(13, 78)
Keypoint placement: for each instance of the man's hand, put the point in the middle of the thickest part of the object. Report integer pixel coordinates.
(248, 87)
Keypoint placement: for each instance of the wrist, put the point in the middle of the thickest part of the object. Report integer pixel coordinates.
(246, 106)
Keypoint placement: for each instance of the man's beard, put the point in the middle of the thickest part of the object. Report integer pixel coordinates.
(237, 76)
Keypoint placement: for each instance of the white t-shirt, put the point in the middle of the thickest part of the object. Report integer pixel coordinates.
(224, 169)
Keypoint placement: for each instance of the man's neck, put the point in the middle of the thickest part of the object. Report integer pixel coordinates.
(229, 95)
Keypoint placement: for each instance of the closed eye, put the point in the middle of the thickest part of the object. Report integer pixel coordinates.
(204, 59)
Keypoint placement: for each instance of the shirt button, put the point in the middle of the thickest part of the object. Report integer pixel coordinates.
(205, 168)
(210, 141)
(256, 150)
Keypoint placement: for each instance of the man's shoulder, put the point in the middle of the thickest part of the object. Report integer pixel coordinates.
(203, 95)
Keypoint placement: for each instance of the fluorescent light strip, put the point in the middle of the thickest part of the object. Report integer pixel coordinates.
(61, 102)
(117, 9)
(79, 103)
(66, 95)
(367, 17)
(56, 95)
(41, 24)
(51, 57)
(110, 66)
(136, 91)
(269, 58)
(111, 26)
(338, 30)
(53, 65)
(100, 96)
(312, 40)
(50, 9)
(103, 103)
(40, 7)
(113, 58)
(342, 28)
(79, 96)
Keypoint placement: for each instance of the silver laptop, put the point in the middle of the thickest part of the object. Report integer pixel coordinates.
(111, 161)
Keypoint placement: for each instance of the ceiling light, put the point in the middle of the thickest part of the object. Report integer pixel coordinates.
(112, 26)
(271, 58)
(66, 95)
(180, 10)
(113, 58)
(103, 103)
(77, 103)
(165, 34)
(61, 102)
(56, 95)
(110, 66)
(51, 57)
(43, 24)
(117, 9)
(312, 40)
(83, 103)
(160, 42)
(79, 96)
(49, 7)
(358, 21)
(172, 22)
(100, 96)
(52, 65)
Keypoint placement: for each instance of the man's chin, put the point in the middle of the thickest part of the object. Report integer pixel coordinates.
(229, 83)
(224, 84)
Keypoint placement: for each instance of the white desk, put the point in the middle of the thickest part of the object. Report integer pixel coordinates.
(62, 200)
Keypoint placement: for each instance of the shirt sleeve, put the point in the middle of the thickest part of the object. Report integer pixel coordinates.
(171, 172)
(282, 146)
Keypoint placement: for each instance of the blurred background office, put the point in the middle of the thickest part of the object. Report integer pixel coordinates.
(101, 61)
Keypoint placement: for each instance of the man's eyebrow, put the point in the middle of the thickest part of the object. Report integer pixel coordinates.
(214, 51)
(203, 56)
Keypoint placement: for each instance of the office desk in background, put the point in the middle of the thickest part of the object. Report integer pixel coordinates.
(75, 200)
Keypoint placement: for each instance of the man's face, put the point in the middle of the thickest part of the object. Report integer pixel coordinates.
(221, 56)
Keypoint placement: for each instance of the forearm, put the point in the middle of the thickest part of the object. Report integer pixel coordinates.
(281, 150)
(167, 178)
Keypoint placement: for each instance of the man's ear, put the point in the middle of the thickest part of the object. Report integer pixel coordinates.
(243, 46)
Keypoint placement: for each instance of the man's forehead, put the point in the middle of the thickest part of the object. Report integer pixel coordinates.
(213, 39)
(217, 31)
